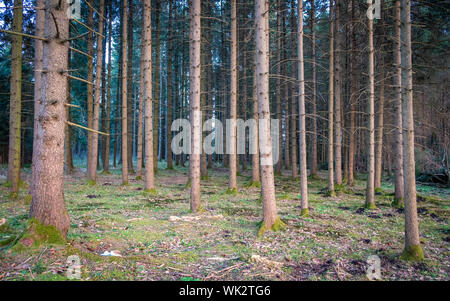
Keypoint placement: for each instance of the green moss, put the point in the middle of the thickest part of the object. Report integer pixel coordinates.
(106, 172)
(305, 212)
(7, 184)
(37, 234)
(253, 184)
(91, 182)
(6, 228)
(138, 178)
(412, 253)
(28, 198)
(284, 196)
(13, 195)
(238, 174)
(126, 183)
(277, 226)
(23, 184)
(379, 191)
(231, 191)
(370, 206)
(330, 193)
(204, 178)
(150, 191)
(259, 201)
(188, 184)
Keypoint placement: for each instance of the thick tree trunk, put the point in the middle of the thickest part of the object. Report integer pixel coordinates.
(370, 189)
(15, 116)
(92, 171)
(195, 110)
(48, 205)
(149, 158)
(271, 220)
(232, 186)
(124, 155)
(413, 249)
(68, 160)
(398, 157)
(38, 61)
(302, 115)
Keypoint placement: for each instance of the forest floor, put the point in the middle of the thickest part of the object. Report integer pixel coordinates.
(158, 239)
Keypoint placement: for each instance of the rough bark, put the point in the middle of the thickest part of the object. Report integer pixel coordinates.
(47, 204)
(314, 88)
(413, 249)
(124, 155)
(92, 170)
(195, 110)
(130, 92)
(156, 98)
(302, 115)
(338, 97)
(147, 27)
(108, 94)
(353, 91)
(15, 116)
(169, 89)
(233, 101)
(398, 157)
(90, 78)
(331, 106)
(370, 188)
(262, 73)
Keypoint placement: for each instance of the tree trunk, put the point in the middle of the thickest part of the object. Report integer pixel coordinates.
(141, 107)
(38, 61)
(90, 88)
(147, 49)
(398, 157)
(255, 157)
(124, 155)
(156, 98)
(233, 102)
(413, 249)
(108, 96)
(302, 115)
(370, 189)
(15, 116)
(92, 171)
(68, 161)
(293, 112)
(195, 109)
(130, 81)
(353, 83)
(47, 204)
(169, 90)
(338, 97)
(331, 107)
(314, 98)
(279, 164)
(271, 220)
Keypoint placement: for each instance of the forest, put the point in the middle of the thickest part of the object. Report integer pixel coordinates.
(224, 140)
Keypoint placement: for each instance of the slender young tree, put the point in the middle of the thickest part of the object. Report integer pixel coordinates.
(47, 205)
(147, 54)
(271, 220)
(331, 107)
(90, 78)
(293, 114)
(157, 92)
(124, 155)
(338, 96)
(353, 91)
(232, 186)
(108, 96)
(398, 156)
(130, 82)
(92, 171)
(195, 109)
(15, 107)
(370, 189)
(413, 249)
(302, 115)
(169, 88)
(256, 182)
(314, 88)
